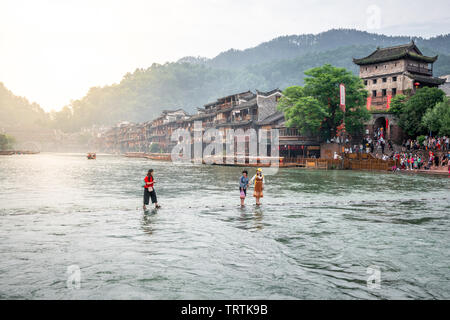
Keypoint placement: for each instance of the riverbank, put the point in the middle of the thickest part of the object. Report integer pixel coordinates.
(433, 172)
(369, 164)
(19, 152)
(258, 161)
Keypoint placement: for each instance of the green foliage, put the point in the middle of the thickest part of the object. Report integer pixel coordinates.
(412, 112)
(6, 142)
(421, 139)
(306, 114)
(293, 46)
(437, 119)
(398, 104)
(315, 107)
(280, 63)
(83, 138)
(143, 94)
(19, 112)
(154, 148)
(3, 142)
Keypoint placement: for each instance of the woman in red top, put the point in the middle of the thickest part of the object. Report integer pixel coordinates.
(149, 190)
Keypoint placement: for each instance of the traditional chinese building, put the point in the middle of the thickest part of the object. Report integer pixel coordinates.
(162, 127)
(390, 71)
(446, 85)
(292, 143)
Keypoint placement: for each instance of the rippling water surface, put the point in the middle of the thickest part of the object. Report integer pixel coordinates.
(314, 237)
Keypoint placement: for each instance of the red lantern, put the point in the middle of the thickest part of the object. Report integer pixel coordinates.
(417, 84)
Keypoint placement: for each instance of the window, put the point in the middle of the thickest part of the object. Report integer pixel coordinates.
(394, 79)
(384, 79)
(394, 91)
(374, 81)
(365, 82)
(374, 93)
(384, 92)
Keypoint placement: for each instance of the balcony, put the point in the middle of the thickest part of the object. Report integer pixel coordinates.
(424, 71)
(227, 105)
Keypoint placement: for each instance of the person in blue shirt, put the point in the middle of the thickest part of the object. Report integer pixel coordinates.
(243, 185)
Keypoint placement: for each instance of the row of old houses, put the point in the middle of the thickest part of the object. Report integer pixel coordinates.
(245, 110)
(386, 72)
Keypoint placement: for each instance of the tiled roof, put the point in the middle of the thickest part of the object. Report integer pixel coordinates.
(245, 105)
(272, 118)
(210, 104)
(236, 94)
(409, 50)
(234, 124)
(202, 116)
(431, 80)
(247, 96)
(268, 93)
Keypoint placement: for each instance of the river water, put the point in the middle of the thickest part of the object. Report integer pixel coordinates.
(314, 237)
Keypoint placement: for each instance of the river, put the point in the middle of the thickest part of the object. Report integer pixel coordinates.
(317, 235)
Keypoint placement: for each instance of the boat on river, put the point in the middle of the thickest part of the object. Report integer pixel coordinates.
(91, 156)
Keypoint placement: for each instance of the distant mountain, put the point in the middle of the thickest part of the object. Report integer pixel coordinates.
(293, 46)
(194, 60)
(194, 81)
(143, 94)
(17, 111)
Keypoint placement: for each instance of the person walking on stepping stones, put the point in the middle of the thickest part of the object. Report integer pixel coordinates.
(258, 180)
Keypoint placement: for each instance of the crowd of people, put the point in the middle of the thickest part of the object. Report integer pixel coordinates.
(371, 145)
(415, 161)
(429, 143)
(411, 156)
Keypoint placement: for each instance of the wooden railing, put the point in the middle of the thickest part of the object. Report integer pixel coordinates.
(426, 71)
(355, 162)
(308, 163)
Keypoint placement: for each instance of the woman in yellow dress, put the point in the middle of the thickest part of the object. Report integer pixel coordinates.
(259, 181)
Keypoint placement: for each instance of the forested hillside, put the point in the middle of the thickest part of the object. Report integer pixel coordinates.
(289, 47)
(18, 111)
(192, 82)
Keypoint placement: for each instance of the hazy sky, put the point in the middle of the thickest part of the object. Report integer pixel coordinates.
(54, 51)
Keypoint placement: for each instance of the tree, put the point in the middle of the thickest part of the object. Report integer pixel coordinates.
(154, 148)
(437, 119)
(318, 102)
(430, 120)
(6, 141)
(307, 114)
(411, 113)
(398, 104)
(19, 112)
(3, 142)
